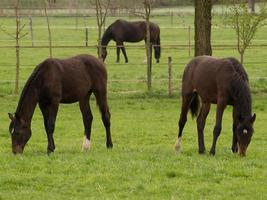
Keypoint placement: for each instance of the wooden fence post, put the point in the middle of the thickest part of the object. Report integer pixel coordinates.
(31, 30)
(170, 75)
(86, 37)
(172, 18)
(189, 41)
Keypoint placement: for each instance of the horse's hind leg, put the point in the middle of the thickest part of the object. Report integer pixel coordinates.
(101, 98)
(183, 118)
(87, 121)
(49, 111)
(201, 120)
(124, 52)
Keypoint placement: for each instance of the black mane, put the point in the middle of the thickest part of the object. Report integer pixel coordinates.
(27, 87)
(240, 91)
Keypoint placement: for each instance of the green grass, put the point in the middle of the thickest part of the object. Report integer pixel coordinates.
(142, 164)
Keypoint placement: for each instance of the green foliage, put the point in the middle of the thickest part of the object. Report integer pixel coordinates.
(246, 24)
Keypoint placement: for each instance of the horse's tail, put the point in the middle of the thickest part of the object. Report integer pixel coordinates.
(158, 48)
(194, 106)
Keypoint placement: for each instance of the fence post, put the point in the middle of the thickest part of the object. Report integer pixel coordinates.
(189, 40)
(86, 37)
(170, 75)
(31, 30)
(172, 18)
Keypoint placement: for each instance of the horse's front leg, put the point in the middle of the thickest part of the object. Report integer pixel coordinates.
(118, 54)
(234, 140)
(124, 53)
(221, 104)
(49, 112)
(87, 121)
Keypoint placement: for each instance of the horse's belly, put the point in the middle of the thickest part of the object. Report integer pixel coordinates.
(74, 93)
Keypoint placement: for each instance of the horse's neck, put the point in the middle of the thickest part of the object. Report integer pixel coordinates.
(105, 39)
(242, 104)
(27, 105)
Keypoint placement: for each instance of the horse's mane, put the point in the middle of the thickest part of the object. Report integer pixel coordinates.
(239, 87)
(27, 87)
(107, 35)
(239, 68)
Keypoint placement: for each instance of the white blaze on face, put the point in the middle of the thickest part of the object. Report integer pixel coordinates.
(177, 146)
(245, 131)
(86, 144)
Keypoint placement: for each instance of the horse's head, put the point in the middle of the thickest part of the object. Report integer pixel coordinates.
(103, 53)
(20, 133)
(244, 132)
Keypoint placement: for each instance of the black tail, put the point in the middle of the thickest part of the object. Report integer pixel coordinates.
(194, 106)
(157, 48)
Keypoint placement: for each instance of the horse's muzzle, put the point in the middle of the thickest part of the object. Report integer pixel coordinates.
(17, 149)
(242, 149)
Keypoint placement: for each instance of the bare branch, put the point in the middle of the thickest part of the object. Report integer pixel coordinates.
(22, 36)
(7, 33)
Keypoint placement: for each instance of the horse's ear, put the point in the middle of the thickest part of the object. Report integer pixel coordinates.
(11, 116)
(253, 118)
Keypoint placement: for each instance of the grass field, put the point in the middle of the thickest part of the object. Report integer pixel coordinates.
(142, 164)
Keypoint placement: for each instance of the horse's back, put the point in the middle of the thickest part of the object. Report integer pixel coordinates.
(208, 76)
(122, 30)
(73, 78)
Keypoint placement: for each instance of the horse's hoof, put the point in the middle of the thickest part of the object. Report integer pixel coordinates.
(212, 153)
(202, 151)
(234, 149)
(86, 144)
(110, 146)
(177, 145)
(49, 152)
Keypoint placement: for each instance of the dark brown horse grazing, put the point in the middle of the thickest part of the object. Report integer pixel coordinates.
(57, 81)
(222, 82)
(122, 31)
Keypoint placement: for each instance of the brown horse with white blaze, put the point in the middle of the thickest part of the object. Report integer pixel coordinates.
(222, 82)
(56, 81)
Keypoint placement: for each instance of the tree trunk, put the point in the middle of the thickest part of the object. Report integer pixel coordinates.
(49, 30)
(149, 57)
(147, 7)
(17, 46)
(203, 27)
(251, 4)
(242, 57)
(99, 47)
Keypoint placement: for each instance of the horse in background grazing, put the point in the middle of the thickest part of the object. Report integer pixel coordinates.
(222, 82)
(57, 81)
(122, 31)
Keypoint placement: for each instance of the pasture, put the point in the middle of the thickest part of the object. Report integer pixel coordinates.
(143, 163)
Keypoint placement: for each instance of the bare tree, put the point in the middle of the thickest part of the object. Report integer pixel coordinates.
(246, 25)
(19, 34)
(48, 28)
(203, 27)
(147, 8)
(143, 9)
(101, 8)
